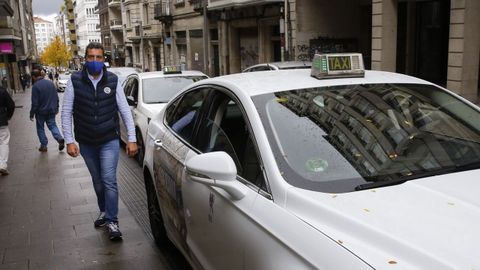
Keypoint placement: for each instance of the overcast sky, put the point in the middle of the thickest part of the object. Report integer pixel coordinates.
(46, 8)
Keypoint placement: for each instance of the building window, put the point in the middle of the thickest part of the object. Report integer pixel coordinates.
(146, 19)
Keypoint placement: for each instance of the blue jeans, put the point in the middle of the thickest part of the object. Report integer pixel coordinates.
(49, 119)
(102, 161)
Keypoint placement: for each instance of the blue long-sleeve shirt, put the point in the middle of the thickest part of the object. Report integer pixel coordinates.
(67, 110)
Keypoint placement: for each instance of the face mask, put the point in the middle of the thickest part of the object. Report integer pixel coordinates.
(94, 67)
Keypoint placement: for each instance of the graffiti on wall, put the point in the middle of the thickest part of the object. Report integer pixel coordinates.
(248, 56)
(325, 45)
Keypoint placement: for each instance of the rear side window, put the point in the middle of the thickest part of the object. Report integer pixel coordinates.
(182, 114)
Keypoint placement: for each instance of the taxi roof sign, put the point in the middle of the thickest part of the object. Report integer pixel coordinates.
(172, 69)
(337, 65)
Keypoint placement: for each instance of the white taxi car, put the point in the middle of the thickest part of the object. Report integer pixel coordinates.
(147, 93)
(344, 169)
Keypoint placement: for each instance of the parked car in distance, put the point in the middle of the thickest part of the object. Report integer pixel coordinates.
(147, 93)
(62, 81)
(279, 66)
(123, 72)
(329, 168)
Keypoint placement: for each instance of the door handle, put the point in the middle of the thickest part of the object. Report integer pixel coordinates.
(158, 143)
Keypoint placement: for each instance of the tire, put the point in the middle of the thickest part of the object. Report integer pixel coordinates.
(155, 214)
(141, 148)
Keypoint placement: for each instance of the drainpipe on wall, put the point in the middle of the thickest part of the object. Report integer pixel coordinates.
(285, 26)
(206, 58)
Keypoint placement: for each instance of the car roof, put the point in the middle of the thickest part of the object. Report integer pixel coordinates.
(291, 64)
(156, 74)
(283, 65)
(122, 70)
(257, 83)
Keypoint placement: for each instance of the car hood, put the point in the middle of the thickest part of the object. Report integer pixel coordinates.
(432, 223)
(150, 110)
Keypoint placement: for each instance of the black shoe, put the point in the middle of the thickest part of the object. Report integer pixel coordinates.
(61, 144)
(101, 221)
(114, 231)
(43, 148)
(4, 171)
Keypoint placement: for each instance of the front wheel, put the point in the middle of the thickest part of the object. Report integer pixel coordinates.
(154, 213)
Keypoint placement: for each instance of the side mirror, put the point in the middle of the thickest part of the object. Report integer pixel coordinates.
(216, 169)
(131, 101)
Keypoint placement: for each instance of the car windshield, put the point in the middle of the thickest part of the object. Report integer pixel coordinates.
(337, 139)
(162, 89)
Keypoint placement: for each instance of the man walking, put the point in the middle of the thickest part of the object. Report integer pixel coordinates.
(44, 108)
(93, 97)
(7, 106)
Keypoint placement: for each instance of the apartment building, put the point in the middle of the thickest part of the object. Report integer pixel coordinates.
(111, 30)
(142, 35)
(61, 25)
(86, 20)
(17, 41)
(44, 33)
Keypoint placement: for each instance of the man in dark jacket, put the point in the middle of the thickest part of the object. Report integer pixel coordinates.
(7, 106)
(44, 108)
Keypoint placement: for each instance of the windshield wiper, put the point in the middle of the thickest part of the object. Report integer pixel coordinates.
(402, 179)
(384, 183)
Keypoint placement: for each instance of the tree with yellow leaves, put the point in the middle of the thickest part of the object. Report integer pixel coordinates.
(56, 54)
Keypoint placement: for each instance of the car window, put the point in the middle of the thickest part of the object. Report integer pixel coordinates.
(262, 68)
(182, 113)
(127, 87)
(338, 138)
(134, 89)
(226, 130)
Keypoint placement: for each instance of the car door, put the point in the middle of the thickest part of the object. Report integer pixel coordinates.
(218, 226)
(173, 147)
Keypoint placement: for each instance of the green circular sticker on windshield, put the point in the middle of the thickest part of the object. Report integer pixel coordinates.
(316, 165)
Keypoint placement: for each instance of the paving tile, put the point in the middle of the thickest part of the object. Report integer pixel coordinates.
(20, 265)
(60, 221)
(75, 246)
(42, 236)
(19, 254)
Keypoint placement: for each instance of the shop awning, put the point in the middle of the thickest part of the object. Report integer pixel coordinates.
(220, 4)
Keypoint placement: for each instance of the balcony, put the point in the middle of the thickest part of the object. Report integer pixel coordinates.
(114, 3)
(71, 27)
(116, 25)
(197, 5)
(71, 17)
(163, 13)
(73, 37)
(5, 8)
(221, 4)
(70, 6)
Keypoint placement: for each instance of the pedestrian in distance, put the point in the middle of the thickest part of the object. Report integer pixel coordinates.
(93, 97)
(7, 106)
(56, 79)
(22, 81)
(45, 105)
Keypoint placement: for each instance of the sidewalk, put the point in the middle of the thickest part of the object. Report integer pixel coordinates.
(47, 209)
